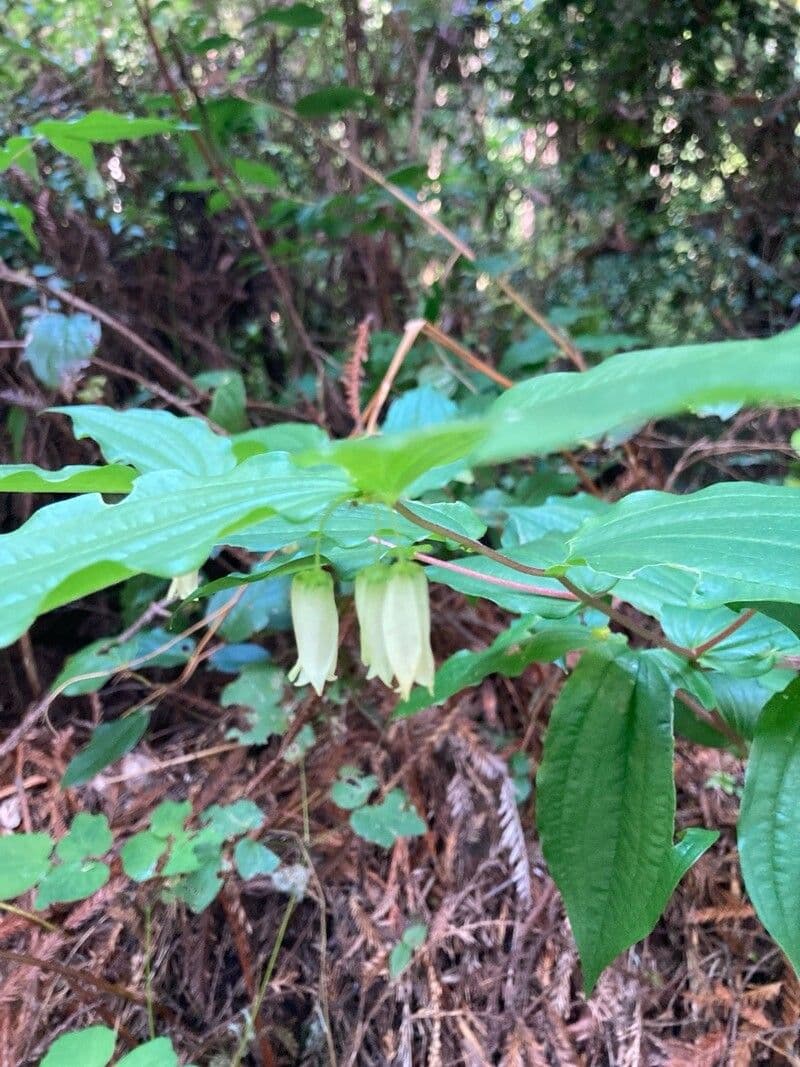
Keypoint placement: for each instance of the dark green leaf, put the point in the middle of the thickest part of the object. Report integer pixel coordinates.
(330, 101)
(769, 821)
(109, 742)
(260, 689)
(606, 801)
(297, 16)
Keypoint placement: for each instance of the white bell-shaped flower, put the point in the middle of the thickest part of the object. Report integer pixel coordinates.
(370, 594)
(316, 629)
(407, 627)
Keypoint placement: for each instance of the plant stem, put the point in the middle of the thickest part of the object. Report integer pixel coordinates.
(585, 598)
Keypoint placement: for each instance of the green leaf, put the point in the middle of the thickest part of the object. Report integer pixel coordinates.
(740, 540)
(109, 742)
(254, 172)
(386, 465)
(103, 658)
(28, 478)
(88, 835)
(168, 818)
(288, 437)
(92, 1047)
(156, 1053)
(71, 881)
(59, 347)
(511, 595)
(153, 440)
(401, 955)
(383, 823)
(330, 101)
(140, 855)
(231, 820)
(769, 821)
(740, 701)
(167, 526)
(262, 606)
(228, 400)
(18, 152)
(260, 689)
(23, 217)
(297, 16)
(752, 649)
(606, 801)
(103, 127)
(24, 861)
(198, 889)
(508, 655)
(252, 859)
(558, 411)
(353, 788)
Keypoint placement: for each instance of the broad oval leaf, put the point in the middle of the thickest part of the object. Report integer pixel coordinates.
(769, 821)
(59, 347)
(167, 526)
(24, 860)
(739, 541)
(92, 1047)
(606, 801)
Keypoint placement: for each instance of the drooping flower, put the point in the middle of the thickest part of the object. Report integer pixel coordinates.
(370, 595)
(406, 627)
(316, 629)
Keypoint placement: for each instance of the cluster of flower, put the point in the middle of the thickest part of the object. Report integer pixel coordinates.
(393, 616)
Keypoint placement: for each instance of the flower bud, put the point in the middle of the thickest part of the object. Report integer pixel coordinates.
(407, 627)
(316, 629)
(370, 594)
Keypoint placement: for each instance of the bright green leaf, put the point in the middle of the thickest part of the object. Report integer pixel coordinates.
(23, 217)
(24, 861)
(88, 835)
(557, 411)
(353, 788)
(140, 855)
(153, 440)
(740, 540)
(92, 1047)
(156, 1053)
(231, 820)
(71, 881)
(28, 478)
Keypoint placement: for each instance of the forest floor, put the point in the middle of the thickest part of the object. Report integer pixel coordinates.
(497, 981)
